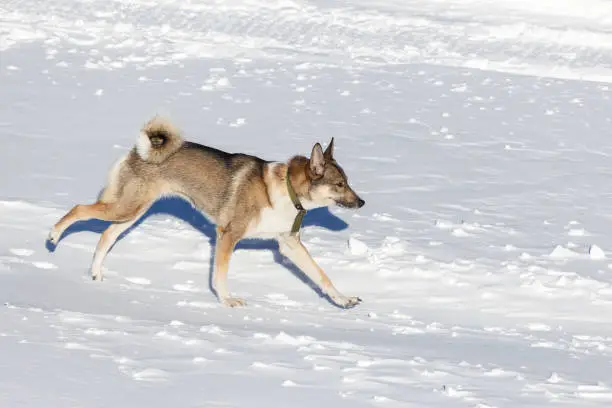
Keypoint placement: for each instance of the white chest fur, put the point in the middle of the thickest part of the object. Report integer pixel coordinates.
(279, 217)
(273, 220)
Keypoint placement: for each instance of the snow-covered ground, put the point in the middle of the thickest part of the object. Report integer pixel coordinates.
(477, 132)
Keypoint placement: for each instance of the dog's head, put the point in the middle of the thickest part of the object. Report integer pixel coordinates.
(329, 183)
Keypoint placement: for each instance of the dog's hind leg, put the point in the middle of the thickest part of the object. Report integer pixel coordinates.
(107, 240)
(100, 210)
(224, 246)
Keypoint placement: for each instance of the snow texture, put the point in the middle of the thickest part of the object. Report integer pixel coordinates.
(477, 132)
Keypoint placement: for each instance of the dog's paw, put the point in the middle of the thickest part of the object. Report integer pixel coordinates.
(347, 302)
(53, 236)
(233, 302)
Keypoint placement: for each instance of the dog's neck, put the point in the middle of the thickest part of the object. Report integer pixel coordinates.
(291, 191)
(297, 171)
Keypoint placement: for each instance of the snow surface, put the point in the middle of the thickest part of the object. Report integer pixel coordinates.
(477, 132)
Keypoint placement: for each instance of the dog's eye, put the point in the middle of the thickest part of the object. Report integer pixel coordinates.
(340, 184)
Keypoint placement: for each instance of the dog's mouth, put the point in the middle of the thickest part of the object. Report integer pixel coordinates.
(350, 204)
(343, 204)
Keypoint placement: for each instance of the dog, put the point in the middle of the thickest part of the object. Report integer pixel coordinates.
(243, 195)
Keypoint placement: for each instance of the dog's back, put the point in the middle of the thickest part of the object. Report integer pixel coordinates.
(214, 181)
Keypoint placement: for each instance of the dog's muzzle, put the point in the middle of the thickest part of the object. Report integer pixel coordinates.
(355, 204)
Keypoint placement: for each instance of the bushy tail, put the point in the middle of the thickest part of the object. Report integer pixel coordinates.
(158, 140)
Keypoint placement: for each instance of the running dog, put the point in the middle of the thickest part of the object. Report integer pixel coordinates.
(243, 195)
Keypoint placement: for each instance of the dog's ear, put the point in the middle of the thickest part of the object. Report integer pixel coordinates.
(317, 161)
(329, 152)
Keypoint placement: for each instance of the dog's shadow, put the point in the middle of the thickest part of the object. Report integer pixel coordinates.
(181, 209)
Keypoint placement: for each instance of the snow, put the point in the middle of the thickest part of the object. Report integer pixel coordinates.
(596, 252)
(357, 247)
(477, 132)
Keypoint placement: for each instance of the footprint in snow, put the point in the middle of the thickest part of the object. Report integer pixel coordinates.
(186, 287)
(150, 374)
(44, 265)
(21, 252)
(198, 304)
(25, 252)
(289, 383)
(138, 281)
(78, 346)
(190, 266)
(200, 360)
(281, 300)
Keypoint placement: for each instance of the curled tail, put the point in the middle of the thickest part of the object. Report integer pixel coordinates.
(158, 140)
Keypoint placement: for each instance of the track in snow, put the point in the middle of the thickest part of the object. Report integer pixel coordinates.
(506, 36)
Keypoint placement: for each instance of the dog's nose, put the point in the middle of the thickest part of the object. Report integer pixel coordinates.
(360, 203)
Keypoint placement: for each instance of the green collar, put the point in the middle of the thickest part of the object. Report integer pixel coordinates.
(298, 206)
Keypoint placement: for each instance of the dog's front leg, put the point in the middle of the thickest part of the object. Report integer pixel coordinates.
(223, 251)
(291, 247)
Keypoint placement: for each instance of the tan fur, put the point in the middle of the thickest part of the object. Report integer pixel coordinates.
(243, 195)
